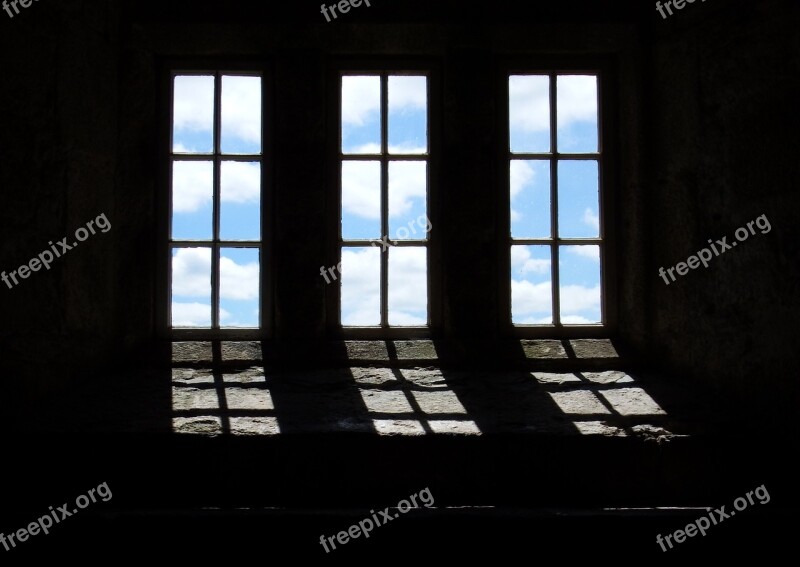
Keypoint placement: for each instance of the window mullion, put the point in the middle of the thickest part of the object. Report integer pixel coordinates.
(384, 199)
(555, 279)
(215, 249)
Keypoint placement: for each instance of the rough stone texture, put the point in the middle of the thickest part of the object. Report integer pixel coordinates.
(706, 124)
(723, 79)
(384, 401)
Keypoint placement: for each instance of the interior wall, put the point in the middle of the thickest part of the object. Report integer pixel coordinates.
(81, 110)
(724, 80)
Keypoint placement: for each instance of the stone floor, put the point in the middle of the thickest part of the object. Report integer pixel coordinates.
(393, 388)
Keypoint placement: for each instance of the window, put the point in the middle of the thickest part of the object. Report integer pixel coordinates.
(555, 171)
(384, 223)
(216, 204)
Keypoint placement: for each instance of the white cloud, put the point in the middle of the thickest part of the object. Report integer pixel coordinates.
(577, 99)
(193, 108)
(522, 262)
(408, 93)
(590, 218)
(191, 272)
(191, 276)
(194, 314)
(528, 297)
(191, 314)
(241, 108)
(589, 252)
(373, 148)
(579, 298)
(408, 286)
(577, 320)
(361, 287)
(369, 149)
(361, 96)
(361, 188)
(521, 174)
(194, 103)
(529, 101)
(192, 185)
(237, 281)
(241, 182)
(408, 180)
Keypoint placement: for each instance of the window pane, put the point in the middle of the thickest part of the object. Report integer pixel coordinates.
(578, 199)
(408, 115)
(241, 115)
(531, 285)
(577, 113)
(408, 184)
(192, 200)
(530, 199)
(193, 114)
(361, 115)
(580, 284)
(240, 201)
(408, 286)
(191, 287)
(529, 113)
(238, 287)
(361, 200)
(361, 289)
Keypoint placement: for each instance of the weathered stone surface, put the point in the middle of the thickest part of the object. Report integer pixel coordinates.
(409, 401)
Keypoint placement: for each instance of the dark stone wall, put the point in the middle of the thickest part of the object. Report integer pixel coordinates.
(724, 80)
(706, 115)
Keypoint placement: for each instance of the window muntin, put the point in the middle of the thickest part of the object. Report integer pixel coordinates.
(555, 165)
(215, 241)
(384, 182)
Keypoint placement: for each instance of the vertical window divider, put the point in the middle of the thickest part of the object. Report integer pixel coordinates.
(555, 253)
(384, 111)
(215, 249)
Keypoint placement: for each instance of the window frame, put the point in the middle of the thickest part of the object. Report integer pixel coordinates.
(607, 155)
(383, 67)
(217, 67)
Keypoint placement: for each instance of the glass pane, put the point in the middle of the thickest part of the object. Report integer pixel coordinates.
(578, 199)
(191, 287)
(361, 287)
(579, 271)
(361, 115)
(408, 115)
(240, 201)
(361, 200)
(241, 115)
(193, 114)
(408, 182)
(530, 199)
(239, 287)
(408, 286)
(531, 285)
(192, 200)
(577, 113)
(529, 113)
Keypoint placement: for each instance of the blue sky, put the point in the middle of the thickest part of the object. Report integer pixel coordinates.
(531, 266)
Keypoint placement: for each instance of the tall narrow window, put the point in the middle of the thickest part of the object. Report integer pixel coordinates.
(555, 162)
(215, 207)
(383, 237)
